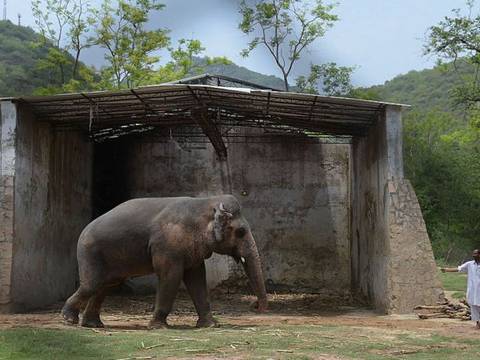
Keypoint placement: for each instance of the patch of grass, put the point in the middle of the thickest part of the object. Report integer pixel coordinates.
(454, 281)
(459, 295)
(257, 342)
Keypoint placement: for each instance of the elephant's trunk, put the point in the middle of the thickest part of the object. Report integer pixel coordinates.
(253, 268)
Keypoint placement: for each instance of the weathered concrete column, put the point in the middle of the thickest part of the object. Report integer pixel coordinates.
(393, 129)
(413, 278)
(392, 259)
(8, 116)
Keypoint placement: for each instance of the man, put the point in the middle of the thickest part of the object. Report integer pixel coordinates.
(472, 268)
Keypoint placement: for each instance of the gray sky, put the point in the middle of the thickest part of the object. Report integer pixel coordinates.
(383, 38)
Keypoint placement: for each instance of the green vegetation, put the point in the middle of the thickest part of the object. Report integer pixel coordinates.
(242, 73)
(286, 29)
(20, 56)
(442, 161)
(455, 283)
(280, 342)
(425, 90)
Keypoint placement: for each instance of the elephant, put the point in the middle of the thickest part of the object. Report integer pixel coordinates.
(170, 237)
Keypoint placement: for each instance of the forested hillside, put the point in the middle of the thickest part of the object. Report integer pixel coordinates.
(242, 73)
(426, 89)
(21, 71)
(20, 61)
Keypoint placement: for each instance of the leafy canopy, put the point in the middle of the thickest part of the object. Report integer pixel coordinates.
(286, 29)
(130, 47)
(64, 27)
(455, 38)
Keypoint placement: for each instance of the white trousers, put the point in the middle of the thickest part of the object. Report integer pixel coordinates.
(475, 311)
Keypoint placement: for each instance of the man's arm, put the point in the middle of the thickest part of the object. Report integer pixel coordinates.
(443, 269)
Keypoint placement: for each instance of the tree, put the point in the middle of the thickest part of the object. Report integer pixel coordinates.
(64, 27)
(336, 80)
(185, 61)
(441, 160)
(286, 28)
(129, 46)
(457, 38)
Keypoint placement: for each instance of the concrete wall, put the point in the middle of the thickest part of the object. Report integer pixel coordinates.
(369, 228)
(295, 196)
(8, 121)
(392, 259)
(53, 177)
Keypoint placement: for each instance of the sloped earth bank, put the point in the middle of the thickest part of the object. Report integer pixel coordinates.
(296, 326)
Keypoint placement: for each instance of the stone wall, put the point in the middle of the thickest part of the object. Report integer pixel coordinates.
(294, 194)
(53, 173)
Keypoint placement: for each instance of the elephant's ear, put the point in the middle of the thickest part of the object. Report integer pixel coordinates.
(221, 218)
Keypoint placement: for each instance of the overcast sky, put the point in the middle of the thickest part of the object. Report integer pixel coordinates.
(382, 38)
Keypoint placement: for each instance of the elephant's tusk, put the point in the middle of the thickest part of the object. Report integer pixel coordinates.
(242, 259)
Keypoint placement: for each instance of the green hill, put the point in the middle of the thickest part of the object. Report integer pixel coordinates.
(18, 59)
(20, 52)
(242, 73)
(426, 89)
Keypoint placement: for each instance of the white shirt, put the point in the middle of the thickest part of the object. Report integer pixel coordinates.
(473, 282)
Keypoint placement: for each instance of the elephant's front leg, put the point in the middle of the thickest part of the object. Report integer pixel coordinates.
(169, 275)
(196, 282)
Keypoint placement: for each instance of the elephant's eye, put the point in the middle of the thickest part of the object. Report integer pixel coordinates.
(240, 232)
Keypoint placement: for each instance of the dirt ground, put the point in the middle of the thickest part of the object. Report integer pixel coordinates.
(130, 313)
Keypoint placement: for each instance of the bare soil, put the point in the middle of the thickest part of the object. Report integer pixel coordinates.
(130, 313)
(133, 313)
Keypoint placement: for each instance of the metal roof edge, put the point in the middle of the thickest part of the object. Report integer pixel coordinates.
(121, 92)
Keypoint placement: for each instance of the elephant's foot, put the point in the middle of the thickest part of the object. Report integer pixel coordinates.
(207, 322)
(70, 316)
(157, 324)
(91, 322)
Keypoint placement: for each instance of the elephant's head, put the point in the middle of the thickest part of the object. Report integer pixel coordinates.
(232, 236)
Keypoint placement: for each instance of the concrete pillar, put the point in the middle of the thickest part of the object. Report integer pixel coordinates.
(413, 279)
(392, 259)
(394, 137)
(8, 116)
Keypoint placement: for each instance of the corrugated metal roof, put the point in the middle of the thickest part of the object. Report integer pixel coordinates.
(171, 105)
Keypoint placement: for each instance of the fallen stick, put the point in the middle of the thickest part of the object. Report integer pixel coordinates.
(432, 316)
(404, 352)
(431, 307)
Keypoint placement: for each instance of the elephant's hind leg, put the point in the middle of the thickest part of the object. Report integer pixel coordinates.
(76, 302)
(91, 314)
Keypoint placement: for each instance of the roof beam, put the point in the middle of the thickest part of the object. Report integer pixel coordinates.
(211, 131)
(209, 128)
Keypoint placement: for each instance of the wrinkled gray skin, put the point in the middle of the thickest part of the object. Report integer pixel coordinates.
(170, 237)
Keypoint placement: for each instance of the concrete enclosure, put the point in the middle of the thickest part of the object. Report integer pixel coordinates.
(327, 218)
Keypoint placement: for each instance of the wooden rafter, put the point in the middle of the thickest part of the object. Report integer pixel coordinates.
(209, 128)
